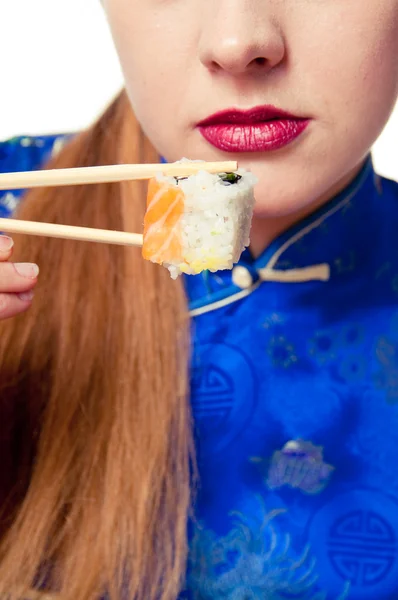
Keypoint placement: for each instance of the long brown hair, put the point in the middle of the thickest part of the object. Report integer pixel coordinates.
(95, 432)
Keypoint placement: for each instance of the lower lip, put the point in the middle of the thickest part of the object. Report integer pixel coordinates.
(254, 137)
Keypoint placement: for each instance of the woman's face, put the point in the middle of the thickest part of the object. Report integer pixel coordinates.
(331, 64)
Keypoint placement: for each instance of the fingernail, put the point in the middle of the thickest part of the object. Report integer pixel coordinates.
(27, 270)
(6, 243)
(26, 296)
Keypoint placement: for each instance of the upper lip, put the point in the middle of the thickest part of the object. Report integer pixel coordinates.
(236, 116)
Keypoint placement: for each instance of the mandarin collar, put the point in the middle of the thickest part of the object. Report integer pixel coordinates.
(334, 241)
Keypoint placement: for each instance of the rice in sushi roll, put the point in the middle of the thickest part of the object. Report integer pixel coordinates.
(201, 222)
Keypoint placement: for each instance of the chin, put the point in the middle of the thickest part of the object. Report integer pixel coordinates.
(279, 208)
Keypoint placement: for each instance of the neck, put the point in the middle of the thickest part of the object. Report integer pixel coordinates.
(265, 229)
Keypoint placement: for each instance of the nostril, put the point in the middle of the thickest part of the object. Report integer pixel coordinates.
(214, 66)
(260, 61)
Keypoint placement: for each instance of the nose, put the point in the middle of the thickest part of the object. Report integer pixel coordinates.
(241, 36)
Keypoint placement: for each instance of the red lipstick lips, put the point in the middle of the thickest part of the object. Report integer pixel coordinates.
(259, 129)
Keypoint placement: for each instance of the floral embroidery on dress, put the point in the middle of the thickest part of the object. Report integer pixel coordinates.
(252, 562)
(387, 377)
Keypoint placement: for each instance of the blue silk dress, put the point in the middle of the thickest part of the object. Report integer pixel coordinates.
(295, 401)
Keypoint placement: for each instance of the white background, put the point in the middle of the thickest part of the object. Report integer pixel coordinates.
(58, 70)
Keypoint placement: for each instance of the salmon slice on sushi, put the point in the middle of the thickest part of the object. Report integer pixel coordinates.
(198, 223)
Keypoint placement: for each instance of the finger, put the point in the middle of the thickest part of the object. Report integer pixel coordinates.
(18, 277)
(6, 244)
(14, 304)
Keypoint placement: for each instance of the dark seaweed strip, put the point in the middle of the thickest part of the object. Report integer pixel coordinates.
(230, 178)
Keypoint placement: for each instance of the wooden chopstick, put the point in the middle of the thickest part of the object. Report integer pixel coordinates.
(107, 174)
(84, 234)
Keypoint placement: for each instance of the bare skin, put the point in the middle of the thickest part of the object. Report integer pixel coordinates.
(334, 62)
(17, 281)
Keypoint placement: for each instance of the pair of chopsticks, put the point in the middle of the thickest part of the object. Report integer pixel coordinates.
(90, 175)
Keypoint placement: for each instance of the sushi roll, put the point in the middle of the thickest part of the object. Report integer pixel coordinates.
(198, 223)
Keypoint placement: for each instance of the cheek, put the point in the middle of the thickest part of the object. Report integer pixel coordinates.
(371, 85)
(353, 65)
(156, 56)
(139, 41)
(152, 61)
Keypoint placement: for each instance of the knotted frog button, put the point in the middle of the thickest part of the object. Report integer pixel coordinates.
(241, 277)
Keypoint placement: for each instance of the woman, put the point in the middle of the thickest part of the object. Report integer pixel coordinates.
(293, 378)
